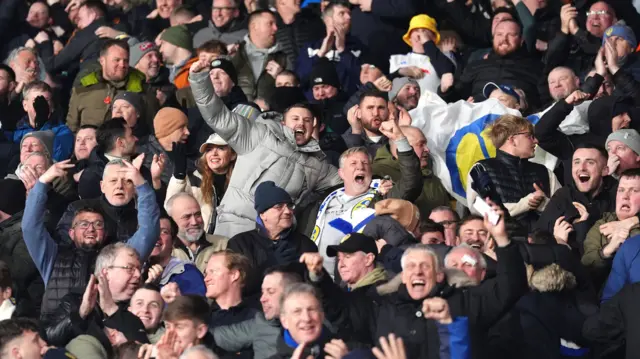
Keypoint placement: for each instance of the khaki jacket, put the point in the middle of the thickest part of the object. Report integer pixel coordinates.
(92, 98)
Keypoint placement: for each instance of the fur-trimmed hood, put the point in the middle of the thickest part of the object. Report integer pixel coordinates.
(455, 278)
(551, 278)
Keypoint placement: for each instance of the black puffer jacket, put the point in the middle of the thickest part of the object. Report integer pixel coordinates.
(71, 271)
(306, 27)
(513, 178)
(120, 222)
(67, 323)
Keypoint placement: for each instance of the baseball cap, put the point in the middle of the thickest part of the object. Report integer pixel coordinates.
(492, 86)
(354, 242)
(214, 139)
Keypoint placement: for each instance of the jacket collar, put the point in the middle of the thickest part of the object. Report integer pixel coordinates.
(511, 159)
(263, 231)
(376, 276)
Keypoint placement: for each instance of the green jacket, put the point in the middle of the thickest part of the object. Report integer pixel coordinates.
(87, 346)
(262, 86)
(92, 98)
(433, 192)
(593, 245)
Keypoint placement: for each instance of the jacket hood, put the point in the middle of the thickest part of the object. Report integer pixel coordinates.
(272, 120)
(551, 278)
(250, 47)
(373, 277)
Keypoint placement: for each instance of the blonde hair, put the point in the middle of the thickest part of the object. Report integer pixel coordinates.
(351, 151)
(506, 126)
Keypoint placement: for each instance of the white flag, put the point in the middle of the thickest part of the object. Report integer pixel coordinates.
(457, 136)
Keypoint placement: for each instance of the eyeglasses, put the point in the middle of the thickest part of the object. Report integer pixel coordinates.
(86, 224)
(128, 269)
(280, 206)
(526, 134)
(598, 12)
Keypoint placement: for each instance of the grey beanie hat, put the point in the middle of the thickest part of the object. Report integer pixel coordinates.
(397, 85)
(45, 137)
(629, 137)
(138, 50)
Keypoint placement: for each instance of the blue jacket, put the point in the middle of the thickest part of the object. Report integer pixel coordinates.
(186, 275)
(44, 250)
(62, 142)
(625, 269)
(347, 64)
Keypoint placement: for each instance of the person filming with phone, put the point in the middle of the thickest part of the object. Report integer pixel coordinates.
(522, 187)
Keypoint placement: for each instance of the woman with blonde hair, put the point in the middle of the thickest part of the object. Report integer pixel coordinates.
(209, 182)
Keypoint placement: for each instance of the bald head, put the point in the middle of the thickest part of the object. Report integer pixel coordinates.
(418, 141)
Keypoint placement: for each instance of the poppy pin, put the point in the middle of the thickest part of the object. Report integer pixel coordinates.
(107, 100)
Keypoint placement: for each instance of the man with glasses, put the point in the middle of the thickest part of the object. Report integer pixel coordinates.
(67, 266)
(274, 241)
(576, 47)
(101, 308)
(523, 187)
(227, 24)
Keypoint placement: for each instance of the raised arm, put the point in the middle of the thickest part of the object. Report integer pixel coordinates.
(148, 231)
(42, 248)
(242, 134)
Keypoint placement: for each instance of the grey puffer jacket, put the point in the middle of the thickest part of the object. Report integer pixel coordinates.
(258, 334)
(267, 151)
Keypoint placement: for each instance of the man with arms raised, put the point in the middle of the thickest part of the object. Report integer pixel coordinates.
(422, 281)
(283, 152)
(64, 268)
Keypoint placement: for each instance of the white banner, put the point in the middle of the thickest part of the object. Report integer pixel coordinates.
(457, 136)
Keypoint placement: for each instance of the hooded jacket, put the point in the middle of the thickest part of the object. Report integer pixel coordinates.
(267, 151)
(230, 34)
(248, 59)
(433, 192)
(550, 315)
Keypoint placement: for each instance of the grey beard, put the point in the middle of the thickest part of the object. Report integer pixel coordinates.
(191, 238)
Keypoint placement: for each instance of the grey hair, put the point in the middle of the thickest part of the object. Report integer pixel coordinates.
(109, 253)
(206, 352)
(424, 248)
(354, 150)
(15, 52)
(115, 162)
(482, 262)
(168, 206)
(299, 288)
(41, 154)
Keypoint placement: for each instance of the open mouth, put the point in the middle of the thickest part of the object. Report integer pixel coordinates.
(625, 207)
(584, 178)
(90, 237)
(418, 284)
(360, 179)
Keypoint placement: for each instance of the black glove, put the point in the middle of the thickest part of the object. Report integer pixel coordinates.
(41, 106)
(179, 152)
(285, 253)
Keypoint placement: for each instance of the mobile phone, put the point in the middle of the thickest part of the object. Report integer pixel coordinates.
(484, 209)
